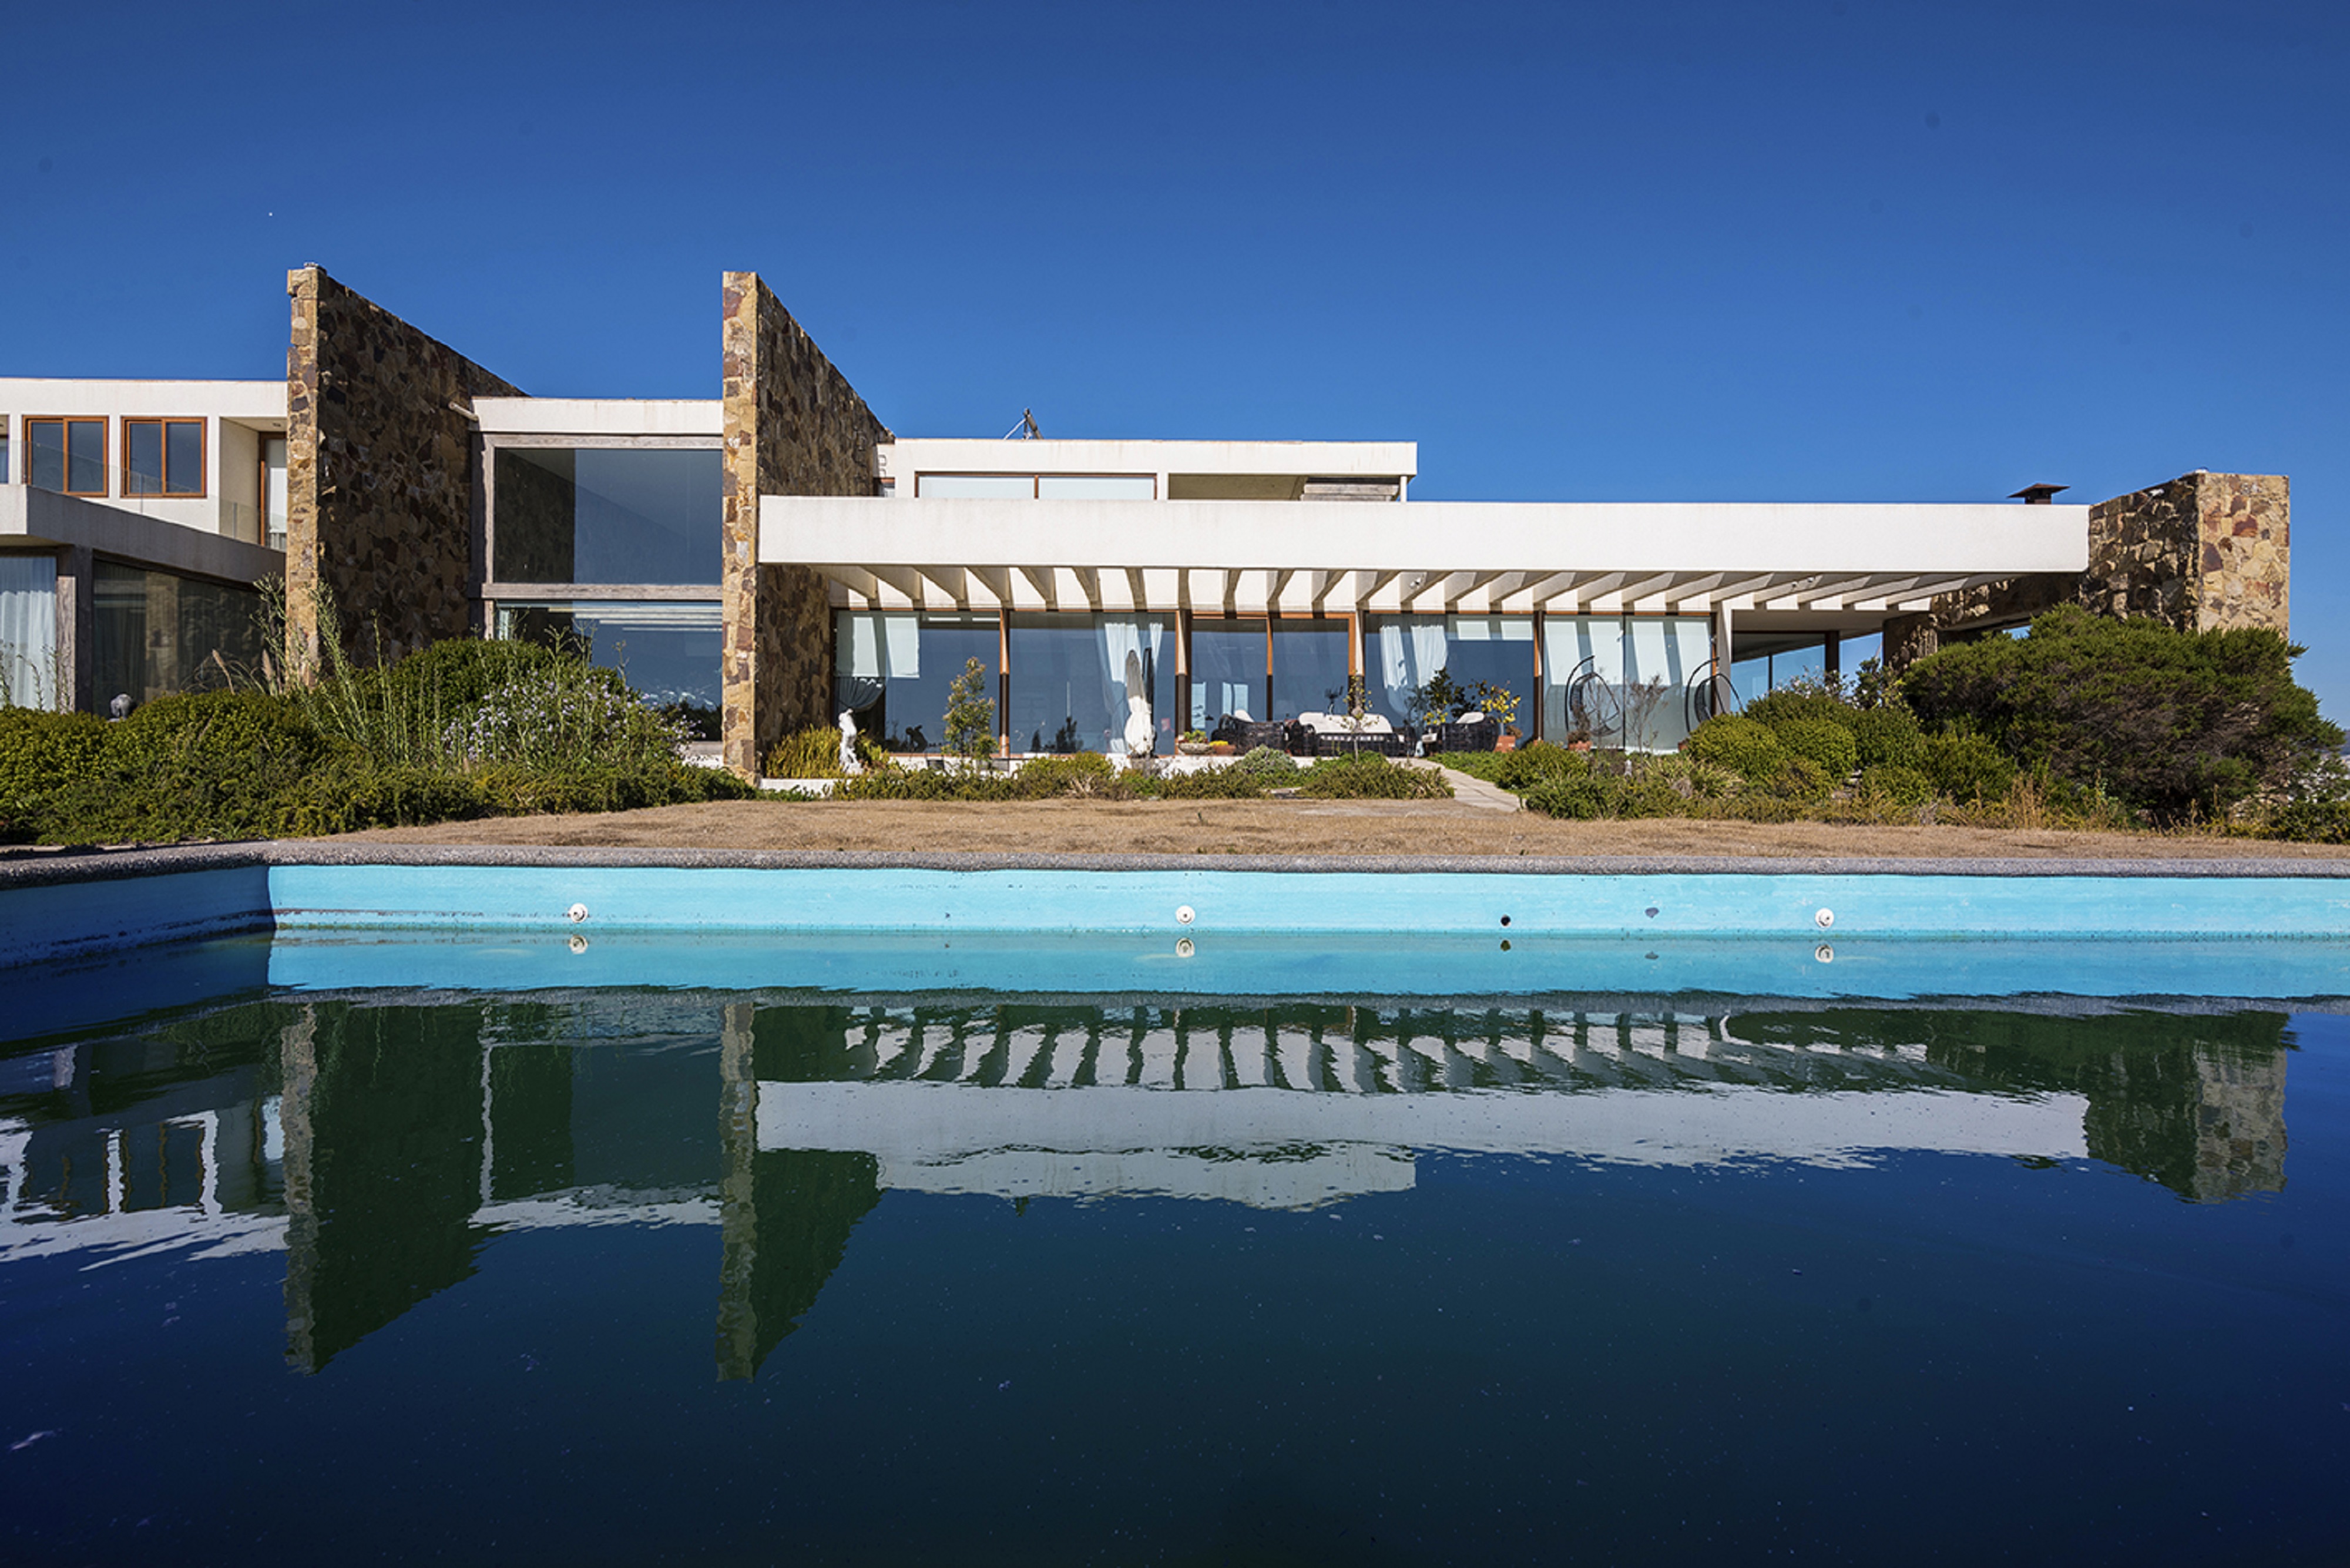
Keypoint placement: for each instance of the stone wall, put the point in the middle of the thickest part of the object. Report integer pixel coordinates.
(2205, 552)
(378, 475)
(792, 426)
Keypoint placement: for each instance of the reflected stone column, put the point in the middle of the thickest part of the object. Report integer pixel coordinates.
(297, 1071)
(738, 1208)
(2239, 1125)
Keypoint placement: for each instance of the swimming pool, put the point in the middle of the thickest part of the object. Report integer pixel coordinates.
(583, 1241)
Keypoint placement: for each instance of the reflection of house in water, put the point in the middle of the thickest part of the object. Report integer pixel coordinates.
(382, 1144)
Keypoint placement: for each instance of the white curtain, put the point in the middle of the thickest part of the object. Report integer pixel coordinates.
(872, 647)
(29, 632)
(1409, 652)
(1117, 637)
(1573, 648)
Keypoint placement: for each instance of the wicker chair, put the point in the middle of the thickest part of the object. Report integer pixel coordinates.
(1479, 736)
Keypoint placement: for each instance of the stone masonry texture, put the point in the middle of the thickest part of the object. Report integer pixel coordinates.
(378, 475)
(2206, 552)
(792, 426)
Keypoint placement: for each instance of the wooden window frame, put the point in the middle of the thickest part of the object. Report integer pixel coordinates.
(204, 458)
(104, 448)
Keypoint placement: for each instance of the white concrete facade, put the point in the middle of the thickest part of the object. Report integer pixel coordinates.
(242, 492)
(600, 416)
(1866, 561)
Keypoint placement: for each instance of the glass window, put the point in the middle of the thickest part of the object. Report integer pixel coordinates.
(66, 455)
(1309, 666)
(5, 470)
(157, 633)
(891, 672)
(1096, 487)
(162, 457)
(1079, 680)
(1402, 652)
(1633, 681)
(666, 649)
(1228, 671)
(607, 514)
(976, 486)
(29, 632)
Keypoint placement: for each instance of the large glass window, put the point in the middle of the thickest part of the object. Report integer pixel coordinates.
(29, 632)
(162, 457)
(157, 633)
(1402, 652)
(606, 514)
(1309, 666)
(892, 671)
(667, 650)
(1624, 680)
(66, 455)
(1228, 671)
(1078, 680)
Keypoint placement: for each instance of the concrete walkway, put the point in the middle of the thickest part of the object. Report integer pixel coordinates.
(1478, 793)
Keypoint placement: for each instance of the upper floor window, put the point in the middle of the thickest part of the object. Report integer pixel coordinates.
(66, 455)
(1037, 487)
(162, 457)
(607, 514)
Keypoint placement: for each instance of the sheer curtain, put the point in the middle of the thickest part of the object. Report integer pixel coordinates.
(1409, 652)
(1115, 636)
(873, 647)
(29, 632)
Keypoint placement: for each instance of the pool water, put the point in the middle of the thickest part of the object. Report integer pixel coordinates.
(623, 1274)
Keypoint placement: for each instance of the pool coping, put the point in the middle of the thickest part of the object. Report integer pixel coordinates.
(47, 867)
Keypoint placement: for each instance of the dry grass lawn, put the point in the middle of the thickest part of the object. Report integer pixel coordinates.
(1285, 828)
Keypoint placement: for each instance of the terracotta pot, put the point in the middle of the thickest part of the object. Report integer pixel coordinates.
(1505, 744)
(1220, 748)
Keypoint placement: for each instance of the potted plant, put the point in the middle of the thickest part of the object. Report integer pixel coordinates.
(1500, 705)
(1194, 743)
(1220, 748)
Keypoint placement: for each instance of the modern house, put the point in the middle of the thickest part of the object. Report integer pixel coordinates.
(777, 557)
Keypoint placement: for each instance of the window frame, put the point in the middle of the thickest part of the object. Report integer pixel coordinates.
(204, 458)
(105, 435)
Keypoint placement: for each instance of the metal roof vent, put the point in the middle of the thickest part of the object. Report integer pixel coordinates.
(2038, 494)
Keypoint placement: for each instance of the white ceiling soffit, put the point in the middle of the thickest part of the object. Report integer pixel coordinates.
(1430, 558)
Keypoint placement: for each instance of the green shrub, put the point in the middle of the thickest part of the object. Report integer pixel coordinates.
(39, 752)
(1691, 778)
(929, 783)
(1266, 764)
(519, 790)
(1077, 774)
(2311, 821)
(1369, 776)
(1749, 749)
(1894, 785)
(1887, 737)
(815, 753)
(2170, 722)
(1798, 779)
(1799, 702)
(562, 719)
(1586, 798)
(1968, 768)
(351, 794)
(1822, 742)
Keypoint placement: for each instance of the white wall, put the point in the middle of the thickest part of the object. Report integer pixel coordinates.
(233, 412)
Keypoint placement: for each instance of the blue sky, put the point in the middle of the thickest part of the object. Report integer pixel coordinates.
(1828, 250)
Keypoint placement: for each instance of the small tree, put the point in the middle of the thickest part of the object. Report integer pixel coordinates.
(971, 717)
(1438, 699)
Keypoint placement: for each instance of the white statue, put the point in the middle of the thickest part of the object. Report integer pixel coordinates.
(1141, 739)
(849, 766)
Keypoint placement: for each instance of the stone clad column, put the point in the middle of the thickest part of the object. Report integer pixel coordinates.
(792, 426)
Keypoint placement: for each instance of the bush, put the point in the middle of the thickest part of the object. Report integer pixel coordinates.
(561, 718)
(1968, 768)
(929, 783)
(1800, 702)
(1747, 748)
(2170, 722)
(519, 790)
(2311, 821)
(39, 752)
(1369, 776)
(1798, 779)
(1077, 774)
(352, 794)
(1822, 742)
(1893, 784)
(1691, 778)
(1887, 736)
(1266, 764)
(1584, 798)
(815, 753)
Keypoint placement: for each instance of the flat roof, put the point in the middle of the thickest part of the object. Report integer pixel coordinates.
(1312, 459)
(600, 416)
(262, 403)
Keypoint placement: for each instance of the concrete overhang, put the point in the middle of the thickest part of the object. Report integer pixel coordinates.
(42, 519)
(600, 416)
(258, 403)
(1444, 556)
(910, 455)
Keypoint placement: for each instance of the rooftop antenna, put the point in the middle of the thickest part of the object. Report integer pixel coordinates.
(1026, 429)
(2038, 494)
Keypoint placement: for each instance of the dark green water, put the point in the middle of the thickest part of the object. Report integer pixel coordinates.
(630, 1276)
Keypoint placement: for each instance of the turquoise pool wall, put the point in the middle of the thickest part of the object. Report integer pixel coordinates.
(1386, 925)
